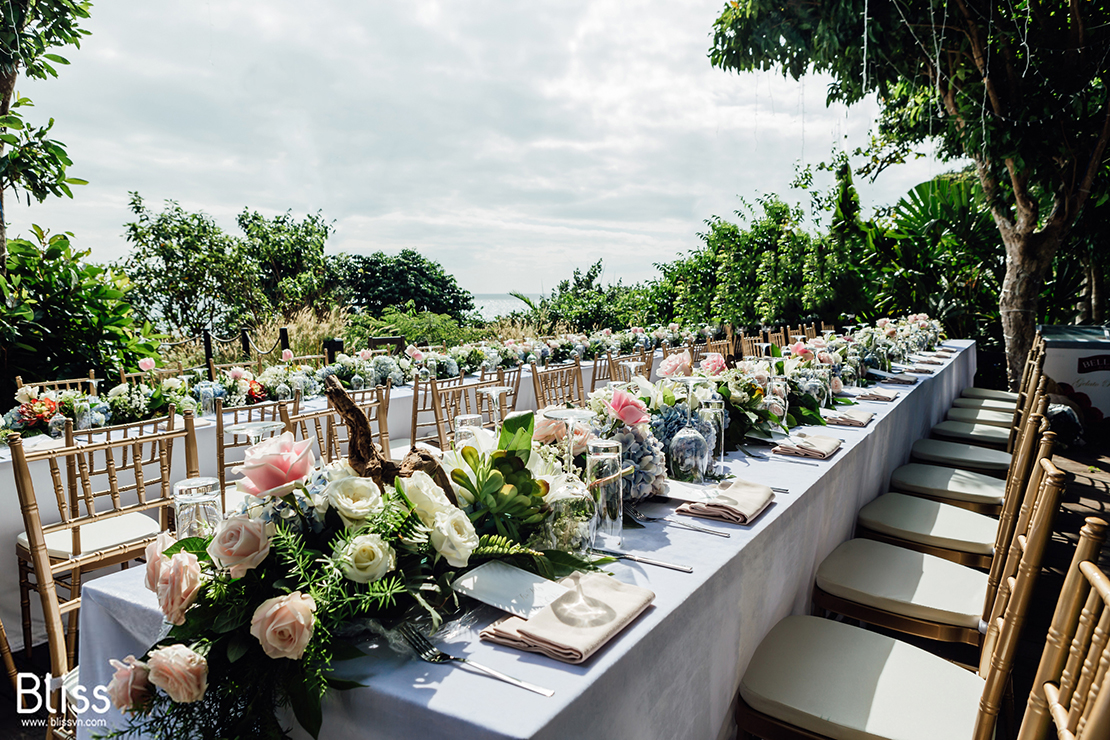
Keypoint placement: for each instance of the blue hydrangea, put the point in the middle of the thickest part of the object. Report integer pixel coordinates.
(670, 419)
(645, 453)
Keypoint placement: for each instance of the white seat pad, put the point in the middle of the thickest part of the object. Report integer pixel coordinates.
(981, 416)
(989, 393)
(851, 684)
(981, 433)
(951, 483)
(961, 455)
(98, 535)
(904, 582)
(986, 404)
(930, 523)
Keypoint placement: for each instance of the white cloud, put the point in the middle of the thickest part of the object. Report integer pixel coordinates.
(511, 142)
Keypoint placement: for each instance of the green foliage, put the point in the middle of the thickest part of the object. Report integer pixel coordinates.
(188, 274)
(292, 271)
(29, 29)
(376, 282)
(62, 315)
(31, 161)
(417, 327)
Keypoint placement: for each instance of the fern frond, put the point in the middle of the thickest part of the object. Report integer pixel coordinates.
(495, 545)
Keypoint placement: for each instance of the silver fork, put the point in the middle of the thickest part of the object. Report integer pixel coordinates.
(642, 517)
(428, 652)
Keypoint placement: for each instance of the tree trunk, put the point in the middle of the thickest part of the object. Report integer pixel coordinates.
(7, 87)
(1028, 257)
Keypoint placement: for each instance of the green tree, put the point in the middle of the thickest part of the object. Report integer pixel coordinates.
(29, 159)
(374, 282)
(1018, 88)
(62, 316)
(188, 274)
(292, 269)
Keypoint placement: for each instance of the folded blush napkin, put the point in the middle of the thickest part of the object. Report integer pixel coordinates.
(877, 394)
(577, 624)
(848, 417)
(927, 361)
(897, 379)
(737, 502)
(811, 445)
(919, 370)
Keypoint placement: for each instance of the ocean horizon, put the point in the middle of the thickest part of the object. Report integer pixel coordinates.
(492, 305)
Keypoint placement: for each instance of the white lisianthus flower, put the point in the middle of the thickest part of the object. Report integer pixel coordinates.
(366, 558)
(354, 499)
(27, 393)
(453, 536)
(119, 390)
(427, 498)
(172, 384)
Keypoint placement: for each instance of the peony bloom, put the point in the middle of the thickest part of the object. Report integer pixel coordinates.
(627, 408)
(427, 498)
(675, 365)
(156, 559)
(366, 558)
(286, 355)
(129, 688)
(713, 363)
(147, 364)
(453, 536)
(365, 354)
(178, 583)
(180, 672)
(273, 466)
(240, 544)
(283, 625)
(354, 499)
(236, 373)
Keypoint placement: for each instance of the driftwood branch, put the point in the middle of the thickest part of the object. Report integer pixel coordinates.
(365, 457)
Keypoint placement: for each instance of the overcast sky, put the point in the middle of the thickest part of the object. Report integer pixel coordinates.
(510, 141)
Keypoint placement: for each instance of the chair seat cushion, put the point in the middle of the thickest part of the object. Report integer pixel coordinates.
(985, 404)
(983, 434)
(930, 523)
(961, 455)
(989, 393)
(904, 582)
(98, 535)
(981, 416)
(851, 684)
(950, 483)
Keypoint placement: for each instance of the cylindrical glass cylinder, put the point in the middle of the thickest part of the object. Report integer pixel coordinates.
(466, 430)
(603, 476)
(197, 507)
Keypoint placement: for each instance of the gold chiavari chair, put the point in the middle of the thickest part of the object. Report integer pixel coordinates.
(228, 445)
(423, 428)
(507, 378)
(938, 527)
(159, 373)
(6, 657)
(478, 402)
(827, 328)
(676, 350)
(697, 351)
(448, 402)
(1070, 688)
(919, 594)
(559, 386)
(214, 368)
(602, 373)
(620, 370)
(721, 347)
(777, 338)
(374, 402)
(103, 494)
(810, 330)
(86, 385)
(316, 361)
(814, 678)
(316, 424)
(749, 346)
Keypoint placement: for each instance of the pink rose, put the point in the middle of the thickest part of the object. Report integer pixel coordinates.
(146, 364)
(155, 559)
(836, 384)
(679, 364)
(284, 625)
(273, 466)
(713, 363)
(365, 354)
(178, 583)
(824, 358)
(798, 348)
(180, 672)
(628, 408)
(882, 322)
(547, 431)
(236, 373)
(129, 687)
(286, 355)
(582, 434)
(891, 331)
(239, 544)
(637, 330)
(673, 327)
(818, 343)
(606, 332)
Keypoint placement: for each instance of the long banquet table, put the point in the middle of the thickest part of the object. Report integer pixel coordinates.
(673, 673)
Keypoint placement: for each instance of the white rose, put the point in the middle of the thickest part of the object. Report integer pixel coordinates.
(453, 536)
(339, 470)
(119, 390)
(366, 558)
(27, 393)
(427, 498)
(171, 384)
(355, 499)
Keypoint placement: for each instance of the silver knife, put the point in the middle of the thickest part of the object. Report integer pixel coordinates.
(696, 528)
(645, 561)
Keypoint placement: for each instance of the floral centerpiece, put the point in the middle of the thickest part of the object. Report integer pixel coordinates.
(263, 610)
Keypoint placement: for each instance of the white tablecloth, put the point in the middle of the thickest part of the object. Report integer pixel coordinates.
(675, 671)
